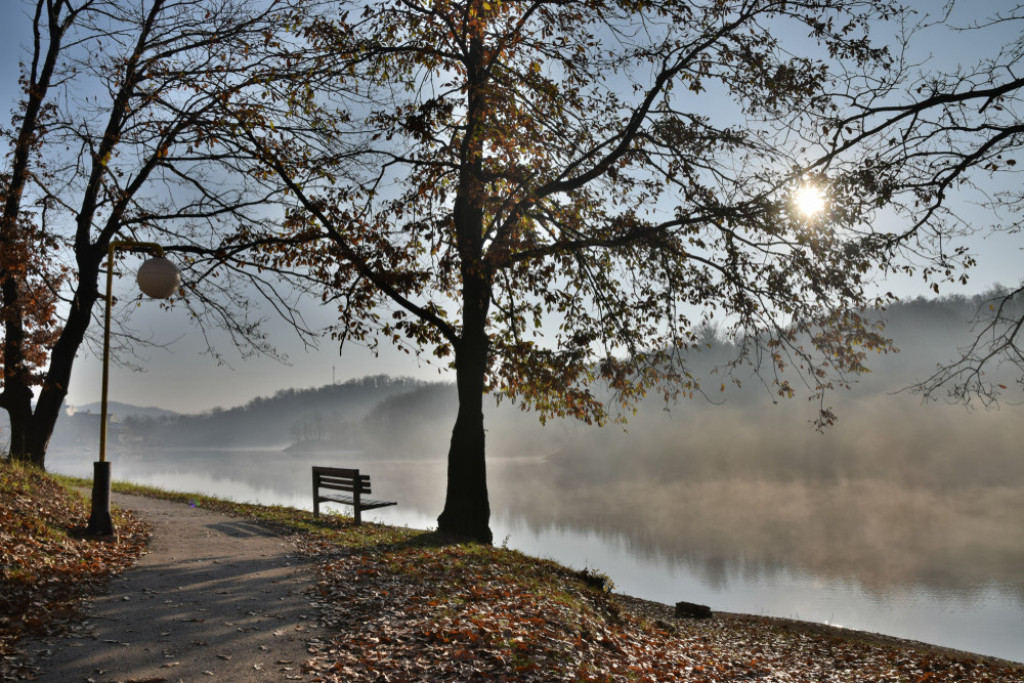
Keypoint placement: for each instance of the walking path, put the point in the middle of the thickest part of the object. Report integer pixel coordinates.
(216, 598)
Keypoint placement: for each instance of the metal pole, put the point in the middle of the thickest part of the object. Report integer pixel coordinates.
(100, 523)
(106, 352)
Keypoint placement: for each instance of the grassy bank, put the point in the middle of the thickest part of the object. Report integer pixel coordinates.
(409, 605)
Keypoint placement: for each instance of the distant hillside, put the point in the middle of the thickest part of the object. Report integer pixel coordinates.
(399, 417)
(122, 410)
(332, 413)
(79, 426)
(926, 333)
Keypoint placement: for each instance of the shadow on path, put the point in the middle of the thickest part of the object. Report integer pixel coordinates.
(216, 598)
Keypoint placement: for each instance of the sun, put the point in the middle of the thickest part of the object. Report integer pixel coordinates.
(809, 200)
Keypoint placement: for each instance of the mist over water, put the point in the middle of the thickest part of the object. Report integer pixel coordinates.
(906, 517)
(941, 567)
(883, 498)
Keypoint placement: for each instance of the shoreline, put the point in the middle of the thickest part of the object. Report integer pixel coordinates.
(658, 611)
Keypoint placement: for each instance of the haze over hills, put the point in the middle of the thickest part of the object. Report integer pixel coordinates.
(413, 418)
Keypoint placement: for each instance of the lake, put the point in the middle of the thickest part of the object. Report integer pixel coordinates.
(942, 567)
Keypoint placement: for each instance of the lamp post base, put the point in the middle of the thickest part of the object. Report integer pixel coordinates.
(100, 523)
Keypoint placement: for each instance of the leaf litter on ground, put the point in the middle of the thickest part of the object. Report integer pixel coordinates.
(49, 568)
(409, 605)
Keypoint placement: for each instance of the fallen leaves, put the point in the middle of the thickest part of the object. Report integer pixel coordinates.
(426, 611)
(412, 606)
(48, 568)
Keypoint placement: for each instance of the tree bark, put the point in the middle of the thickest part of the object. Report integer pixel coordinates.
(467, 510)
(31, 429)
(16, 397)
(17, 401)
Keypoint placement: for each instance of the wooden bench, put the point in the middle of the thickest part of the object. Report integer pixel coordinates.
(351, 483)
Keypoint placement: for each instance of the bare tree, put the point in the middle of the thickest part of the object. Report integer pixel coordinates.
(942, 144)
(117, 137)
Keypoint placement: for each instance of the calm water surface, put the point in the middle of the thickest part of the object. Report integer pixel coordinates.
(978, 615)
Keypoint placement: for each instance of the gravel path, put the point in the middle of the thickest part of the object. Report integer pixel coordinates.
(215, 598)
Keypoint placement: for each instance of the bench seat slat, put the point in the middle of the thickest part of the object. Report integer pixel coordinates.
(365, 503)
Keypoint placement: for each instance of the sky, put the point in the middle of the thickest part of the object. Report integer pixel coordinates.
(180, 377)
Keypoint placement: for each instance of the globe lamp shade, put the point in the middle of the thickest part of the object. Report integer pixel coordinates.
(158, 278)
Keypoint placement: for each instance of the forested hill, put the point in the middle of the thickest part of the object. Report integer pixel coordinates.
(333, 413)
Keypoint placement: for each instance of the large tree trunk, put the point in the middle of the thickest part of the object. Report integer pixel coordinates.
(17, 401)
(31, 429)
(16, 397)
(30, 435)
(467, 511)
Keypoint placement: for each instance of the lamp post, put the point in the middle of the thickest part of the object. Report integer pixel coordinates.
(157, 278)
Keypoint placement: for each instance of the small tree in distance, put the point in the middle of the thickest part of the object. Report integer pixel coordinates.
(555, 197)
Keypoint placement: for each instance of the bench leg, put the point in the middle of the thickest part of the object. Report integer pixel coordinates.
(316, 498)
(358, 514)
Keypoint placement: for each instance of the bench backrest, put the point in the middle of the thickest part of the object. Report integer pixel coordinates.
(341, 479)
